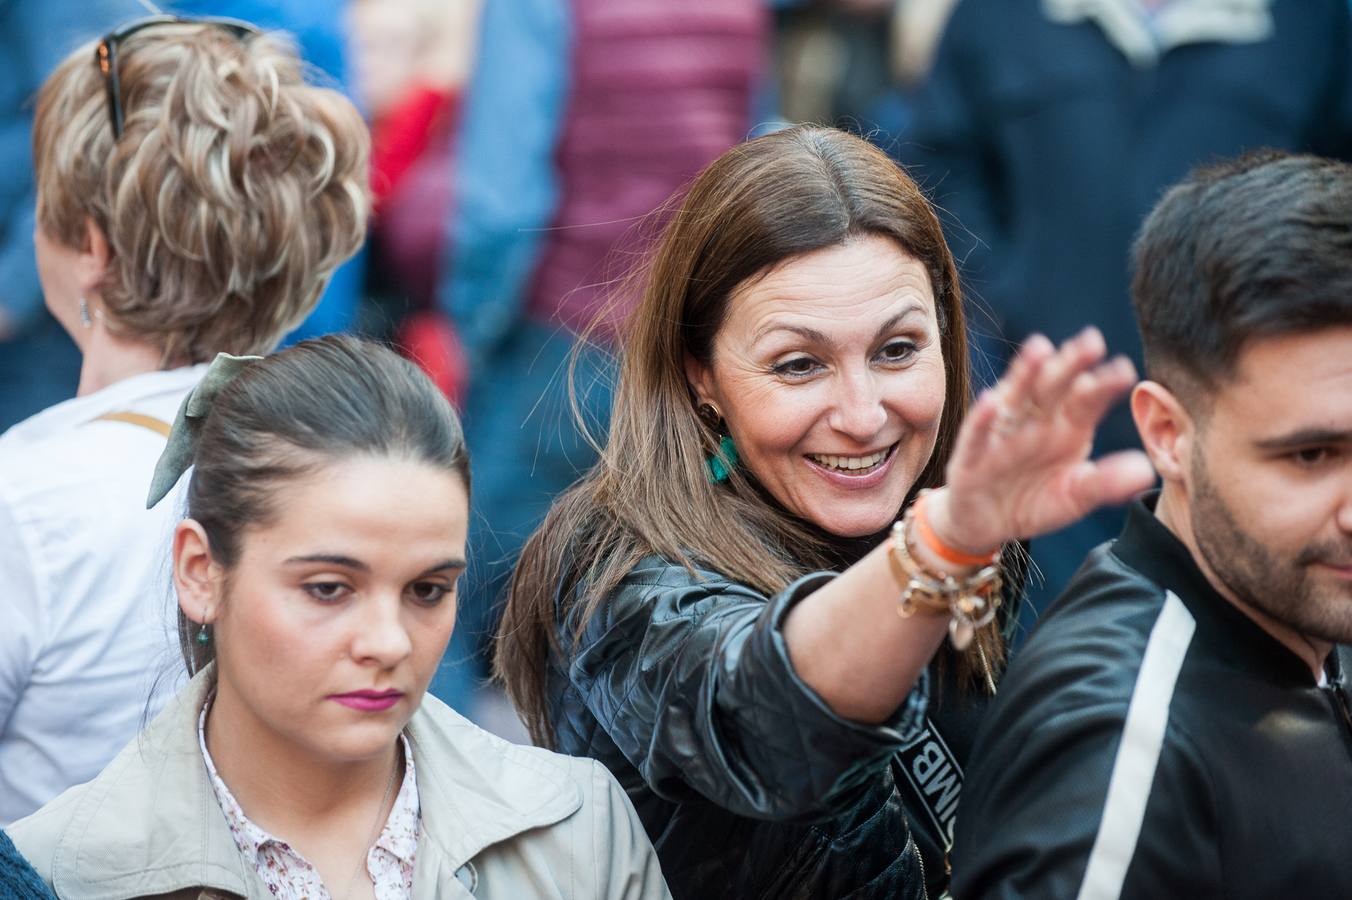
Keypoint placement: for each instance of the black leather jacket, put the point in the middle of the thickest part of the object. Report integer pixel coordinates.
(1150, 740)
(748, 784)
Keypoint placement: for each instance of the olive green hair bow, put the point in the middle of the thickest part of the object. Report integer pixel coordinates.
(182, 447)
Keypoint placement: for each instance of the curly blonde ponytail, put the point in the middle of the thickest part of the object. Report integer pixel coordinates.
(234, 192)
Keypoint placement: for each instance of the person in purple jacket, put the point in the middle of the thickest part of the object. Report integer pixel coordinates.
(581, 118)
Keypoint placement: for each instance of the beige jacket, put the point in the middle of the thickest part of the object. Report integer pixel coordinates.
(499, 821)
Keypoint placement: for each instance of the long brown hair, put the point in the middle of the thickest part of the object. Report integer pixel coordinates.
(761, 203)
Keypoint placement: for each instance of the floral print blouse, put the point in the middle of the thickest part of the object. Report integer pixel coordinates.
(289, 876)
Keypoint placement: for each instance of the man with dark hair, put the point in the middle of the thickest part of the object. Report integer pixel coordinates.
(1178, 725)
(1048, 129)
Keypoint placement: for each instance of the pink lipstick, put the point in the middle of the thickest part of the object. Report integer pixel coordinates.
(369, 701)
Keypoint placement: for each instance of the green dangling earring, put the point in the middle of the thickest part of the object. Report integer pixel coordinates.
(202, 637)
(724, 459)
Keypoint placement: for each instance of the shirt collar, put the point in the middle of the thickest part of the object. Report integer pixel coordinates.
(399, 837)
(1144, 35)
(1148, 546)
(79, 411)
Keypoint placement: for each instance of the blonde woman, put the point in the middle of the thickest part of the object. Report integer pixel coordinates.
(193, 196)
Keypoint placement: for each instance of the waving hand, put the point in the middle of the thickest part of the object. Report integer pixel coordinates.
(1022, 466)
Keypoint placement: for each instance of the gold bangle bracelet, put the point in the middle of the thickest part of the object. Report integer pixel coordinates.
(971, 602)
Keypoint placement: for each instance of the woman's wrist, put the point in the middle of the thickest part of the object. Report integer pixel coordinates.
(959, 551)
(937, 578)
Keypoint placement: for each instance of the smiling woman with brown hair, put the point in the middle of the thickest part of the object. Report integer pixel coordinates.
(794, 378)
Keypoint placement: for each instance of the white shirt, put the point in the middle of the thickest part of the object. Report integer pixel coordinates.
(87, 609)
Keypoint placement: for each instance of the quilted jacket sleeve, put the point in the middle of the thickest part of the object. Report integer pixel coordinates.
(690, 677)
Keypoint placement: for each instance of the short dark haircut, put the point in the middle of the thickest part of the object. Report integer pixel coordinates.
(286, 416)
(1253, 247)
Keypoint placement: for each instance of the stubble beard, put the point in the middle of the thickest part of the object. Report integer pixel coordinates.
(1282, 587)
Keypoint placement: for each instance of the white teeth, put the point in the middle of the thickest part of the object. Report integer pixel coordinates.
(849, 463)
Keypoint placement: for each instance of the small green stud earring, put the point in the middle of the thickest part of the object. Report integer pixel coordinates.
(723, 461)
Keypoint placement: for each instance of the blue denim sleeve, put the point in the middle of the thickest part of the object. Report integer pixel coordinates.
(505, 182)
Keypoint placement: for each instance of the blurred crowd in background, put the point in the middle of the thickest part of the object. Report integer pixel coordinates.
(524, 152)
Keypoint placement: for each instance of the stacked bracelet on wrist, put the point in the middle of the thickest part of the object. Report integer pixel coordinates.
(971, 601)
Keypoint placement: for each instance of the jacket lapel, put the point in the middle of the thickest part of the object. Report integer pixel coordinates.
(477, 790)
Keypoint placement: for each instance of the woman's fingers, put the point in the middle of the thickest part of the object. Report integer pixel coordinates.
(1113, 479)
(1041, 375)
(1016, 388)
(977, 430)
(1092, 393)
(1044, 390)
(1075, 356)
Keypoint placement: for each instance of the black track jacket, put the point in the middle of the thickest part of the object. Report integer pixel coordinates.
(1152, 741)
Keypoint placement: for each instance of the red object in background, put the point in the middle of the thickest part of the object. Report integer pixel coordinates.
(412, 145)
(429, 340)
(403, 133)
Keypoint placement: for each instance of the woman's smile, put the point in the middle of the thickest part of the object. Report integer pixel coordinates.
(856, 472)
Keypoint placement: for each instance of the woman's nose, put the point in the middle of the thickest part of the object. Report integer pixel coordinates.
(382, 636)
(858, 409)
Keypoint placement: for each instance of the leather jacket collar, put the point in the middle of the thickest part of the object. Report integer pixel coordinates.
(1150, 548)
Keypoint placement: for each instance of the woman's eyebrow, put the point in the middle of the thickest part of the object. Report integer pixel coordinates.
(347, 562)
(444, 565)
(816, 336)
(810, 334)
(333, 559)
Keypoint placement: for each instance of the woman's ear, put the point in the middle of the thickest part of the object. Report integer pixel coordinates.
(95, 255)
(1165, 427)
(700, 379)
(197, 577)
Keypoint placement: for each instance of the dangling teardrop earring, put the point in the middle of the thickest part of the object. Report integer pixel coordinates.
(202, 637)
(724, 460)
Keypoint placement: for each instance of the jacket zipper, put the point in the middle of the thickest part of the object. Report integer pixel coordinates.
(920, 861)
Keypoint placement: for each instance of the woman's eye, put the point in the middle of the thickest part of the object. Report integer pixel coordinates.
(897, 351)
(428, 593)
(327, 591)
(798, 367)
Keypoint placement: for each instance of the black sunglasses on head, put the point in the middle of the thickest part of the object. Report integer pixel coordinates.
(106, 53)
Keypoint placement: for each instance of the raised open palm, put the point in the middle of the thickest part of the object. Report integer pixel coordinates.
(1022, 466)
